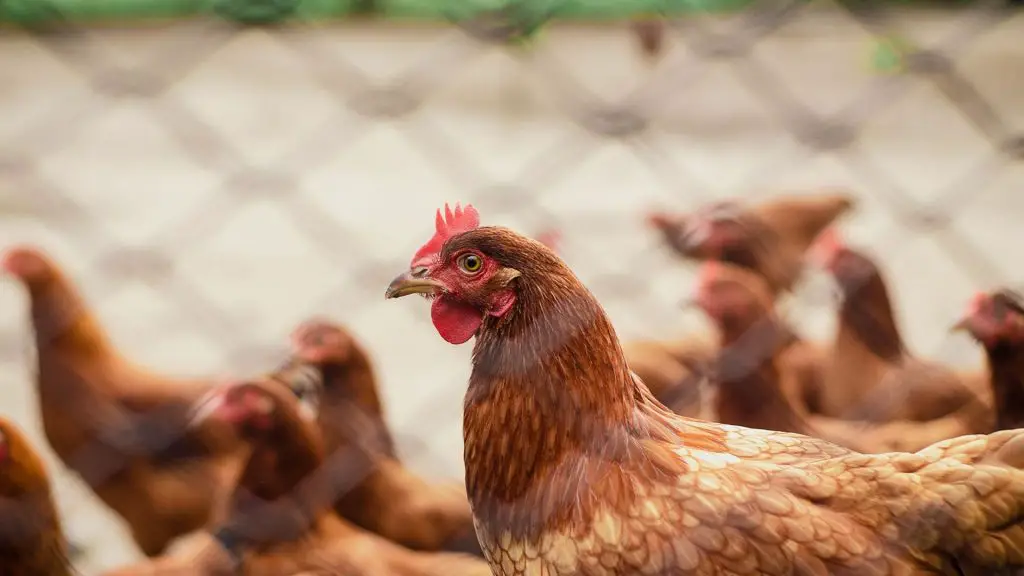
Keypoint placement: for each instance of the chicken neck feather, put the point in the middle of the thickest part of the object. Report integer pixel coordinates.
(1006, 363)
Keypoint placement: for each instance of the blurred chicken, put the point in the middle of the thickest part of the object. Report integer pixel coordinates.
(574, 469)
(770, 239)
(377, 492)
(280, 521)
(751, 390)
(996, 321)
(872, 376)
(119, 426)
(758, 373)
(31, 538)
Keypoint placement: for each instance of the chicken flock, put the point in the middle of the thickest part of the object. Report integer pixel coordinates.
(747, 451)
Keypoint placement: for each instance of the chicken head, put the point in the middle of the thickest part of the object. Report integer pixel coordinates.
(252, 406)
(996, 321)
(994, 317)
(319, 341)
(852, 270)
(465, 284)
(334, 380)
(732, 295)
(286, 444)
(28, 264)
(704, 233)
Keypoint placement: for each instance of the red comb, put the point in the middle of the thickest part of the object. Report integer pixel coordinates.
(976, 302)
(453, 222)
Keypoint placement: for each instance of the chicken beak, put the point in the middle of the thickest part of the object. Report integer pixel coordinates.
(689, 303)
(412, 282)
(961, 325)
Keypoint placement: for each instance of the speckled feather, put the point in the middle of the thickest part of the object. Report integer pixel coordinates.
(574, 469)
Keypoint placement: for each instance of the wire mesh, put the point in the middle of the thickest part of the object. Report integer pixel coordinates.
(211, 186)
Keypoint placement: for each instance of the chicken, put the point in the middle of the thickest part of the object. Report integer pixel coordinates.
(118, 426)
(280, 520)
(872, 376)
(574, 469)
(752, 389)
(770, 239)
(377, 492)
(996, 321)
(759, 373)
(32, 541)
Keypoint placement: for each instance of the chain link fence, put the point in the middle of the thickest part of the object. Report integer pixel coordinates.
(210, 186)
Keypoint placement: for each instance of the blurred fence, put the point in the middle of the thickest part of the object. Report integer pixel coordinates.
(210, 186)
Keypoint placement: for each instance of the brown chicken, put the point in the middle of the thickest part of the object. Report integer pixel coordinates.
(332, 373)
(751, 389)
(281, 521)
(872, 376)
(31, 538)
(996, 321)
(770, 239)
(574, 469)
(117, 425)
(759, 372)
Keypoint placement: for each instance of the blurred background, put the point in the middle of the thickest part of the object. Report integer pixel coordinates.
(212, 174)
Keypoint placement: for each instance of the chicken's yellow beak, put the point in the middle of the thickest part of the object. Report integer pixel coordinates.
(961, 325)
(412, 282)
(690, 302)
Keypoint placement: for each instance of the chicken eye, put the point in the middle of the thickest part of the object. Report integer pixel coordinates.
(470, 263)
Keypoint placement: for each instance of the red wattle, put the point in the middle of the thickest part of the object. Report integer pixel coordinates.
(455, 321)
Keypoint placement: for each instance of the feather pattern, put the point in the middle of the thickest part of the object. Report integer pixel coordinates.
(574, 469)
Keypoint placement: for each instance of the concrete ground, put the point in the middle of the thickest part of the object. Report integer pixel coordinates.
(209, 190)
